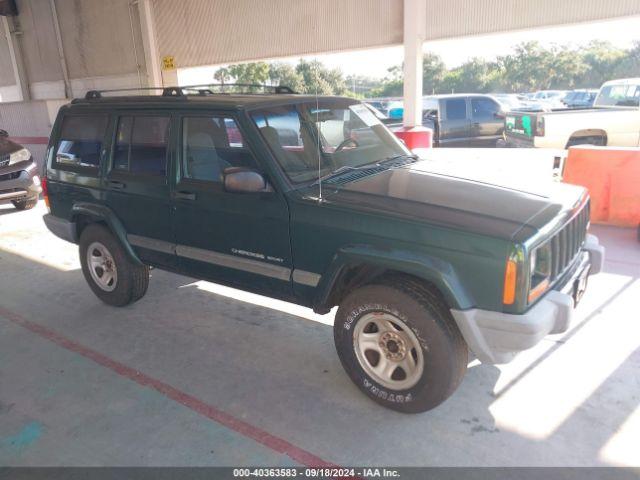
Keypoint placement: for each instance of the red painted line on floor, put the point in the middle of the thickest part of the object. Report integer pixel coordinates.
(265, 438)
(30, 140)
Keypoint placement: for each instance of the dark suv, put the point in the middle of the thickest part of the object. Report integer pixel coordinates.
(19, 182)
(463, 120)
(314, 201)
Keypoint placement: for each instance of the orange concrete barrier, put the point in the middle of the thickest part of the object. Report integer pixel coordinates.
(612, 175)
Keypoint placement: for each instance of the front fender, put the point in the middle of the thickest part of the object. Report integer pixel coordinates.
(434, 270)
(104, 214)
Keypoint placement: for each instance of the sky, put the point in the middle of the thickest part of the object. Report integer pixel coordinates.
(375, 62)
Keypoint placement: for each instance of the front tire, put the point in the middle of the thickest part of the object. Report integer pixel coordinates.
(27, 204)
(400, 345)
(112, 276)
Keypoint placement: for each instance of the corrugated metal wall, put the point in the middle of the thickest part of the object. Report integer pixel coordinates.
(453, 18)
(6, 73)
(97, 37)
(38, 41)
(202, 32)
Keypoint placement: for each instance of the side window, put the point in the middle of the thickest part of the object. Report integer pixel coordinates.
(141, 145)
(81, 140)
(210, 145)
(456, 109)
(483, 109)
(123, 144)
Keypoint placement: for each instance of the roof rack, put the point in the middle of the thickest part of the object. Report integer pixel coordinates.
(200, 90)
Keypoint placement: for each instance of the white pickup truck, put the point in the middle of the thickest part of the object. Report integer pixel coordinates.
(614, 120)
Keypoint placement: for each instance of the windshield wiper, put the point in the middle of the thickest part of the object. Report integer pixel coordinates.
(393, 158)
(341, 170)
(367, 166)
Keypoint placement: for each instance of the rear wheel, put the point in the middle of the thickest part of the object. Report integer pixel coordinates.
(112, 276)
(594, 140)
(26, 204)
(400, 345)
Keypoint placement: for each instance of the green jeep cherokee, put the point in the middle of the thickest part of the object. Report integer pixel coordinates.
(314, 201)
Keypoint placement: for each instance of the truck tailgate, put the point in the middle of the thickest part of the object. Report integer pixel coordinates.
(519, 128)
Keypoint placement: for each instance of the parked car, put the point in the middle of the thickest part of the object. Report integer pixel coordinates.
(389, 122)
(508, 101)
(422, 266)
(19, 182)
(464, 120)
(580, 98)
(614, 120)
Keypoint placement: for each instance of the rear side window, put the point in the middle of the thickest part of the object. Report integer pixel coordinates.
(81, 139)
(456, 109)
(141, 145)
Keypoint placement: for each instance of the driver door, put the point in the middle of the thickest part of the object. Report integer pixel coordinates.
(238, 239)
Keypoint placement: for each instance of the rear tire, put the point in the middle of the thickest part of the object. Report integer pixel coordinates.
(112, 276)
(400, 345)
(27, 204)
(598, 141)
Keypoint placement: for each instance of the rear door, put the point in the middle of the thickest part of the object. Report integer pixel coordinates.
(137, 186)
(487, 122)
(238, 239)
(455, 125)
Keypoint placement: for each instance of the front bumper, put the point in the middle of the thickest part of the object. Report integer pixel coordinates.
(18, 182)
(496, 337)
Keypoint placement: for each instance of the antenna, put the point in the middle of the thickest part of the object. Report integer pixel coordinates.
(315, 64)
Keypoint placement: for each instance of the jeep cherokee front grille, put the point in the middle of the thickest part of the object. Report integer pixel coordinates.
(4, 159)
(566, 244)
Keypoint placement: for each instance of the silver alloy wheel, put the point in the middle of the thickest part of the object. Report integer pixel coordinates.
(388, 350)
(102, 267)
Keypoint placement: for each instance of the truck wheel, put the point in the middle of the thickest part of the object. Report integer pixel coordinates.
(112, 276)
(400, 345)
(27, 204)
(597, 141)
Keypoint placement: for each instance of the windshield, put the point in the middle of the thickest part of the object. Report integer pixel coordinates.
(343, 134)
(620, 95)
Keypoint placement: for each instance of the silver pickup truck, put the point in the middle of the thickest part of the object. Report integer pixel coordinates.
(614, 120)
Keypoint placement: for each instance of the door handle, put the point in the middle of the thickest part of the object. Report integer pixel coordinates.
(117, 184)
(184, 195)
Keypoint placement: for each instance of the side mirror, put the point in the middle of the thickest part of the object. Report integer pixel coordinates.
(4, 133)
(501, 115)
(244, 180)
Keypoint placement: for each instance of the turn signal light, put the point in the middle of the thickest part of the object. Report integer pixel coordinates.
(45, 191)
(510, 277)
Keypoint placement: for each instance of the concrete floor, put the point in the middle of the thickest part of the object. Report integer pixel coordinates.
(199, 374)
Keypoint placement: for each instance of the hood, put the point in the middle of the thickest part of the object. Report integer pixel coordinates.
(7, 146)
(498, 209)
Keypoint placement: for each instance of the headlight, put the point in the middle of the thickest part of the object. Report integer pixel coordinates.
(540, 270)
(21, 155)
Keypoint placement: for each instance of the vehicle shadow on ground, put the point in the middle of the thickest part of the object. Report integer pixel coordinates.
(281, 372)
(8, 209)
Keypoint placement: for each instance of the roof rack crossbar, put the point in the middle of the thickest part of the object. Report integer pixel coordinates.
(203, 89)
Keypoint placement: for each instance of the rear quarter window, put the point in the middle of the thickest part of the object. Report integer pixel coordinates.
(81, 140)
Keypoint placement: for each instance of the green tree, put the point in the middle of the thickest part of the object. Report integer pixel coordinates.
(285, 74)
(602, 60)
(433, 72)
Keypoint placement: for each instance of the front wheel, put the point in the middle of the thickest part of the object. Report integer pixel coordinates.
(400, 345)
(112, 276)
(26, 204)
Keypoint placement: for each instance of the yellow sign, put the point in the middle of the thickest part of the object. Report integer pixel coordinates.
(168, 63)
